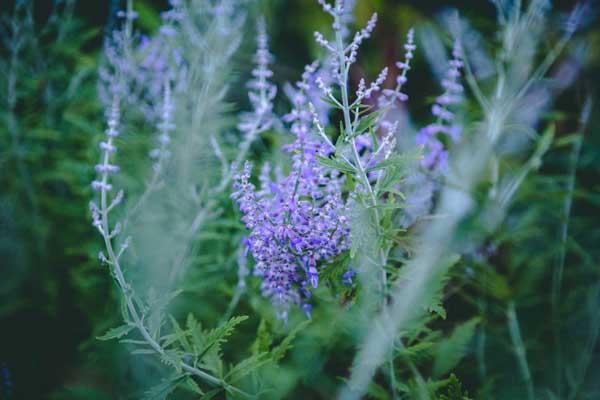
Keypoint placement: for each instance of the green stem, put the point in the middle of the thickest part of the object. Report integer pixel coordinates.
(519, 349)
(127, 291)
(557, 275)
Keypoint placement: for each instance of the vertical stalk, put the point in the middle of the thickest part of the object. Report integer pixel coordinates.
(519, 348)
(557, 275)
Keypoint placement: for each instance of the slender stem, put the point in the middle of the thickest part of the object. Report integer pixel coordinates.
(348, 128)
(472, 82)
(586, 355)
(519, 348)
(127, 290)
(244, 148)
(557, 275)
(545, 65)
(392, 373)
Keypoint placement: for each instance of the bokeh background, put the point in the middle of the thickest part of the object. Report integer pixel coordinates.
(55, 297)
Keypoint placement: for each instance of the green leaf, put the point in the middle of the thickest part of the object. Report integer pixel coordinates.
(279, 351)
(171, 358)
(332, 103)
(374, 139)
(247, 366)
(451, 350)
(454, 390)
(438, 309)
(163, 389)
(116, 333)
(215, 337)
(377, 392)
(395, 160)
(181, 335)
(148, 17)
(337, 164)
(431, 296)
(211, 394)
(367, 122)
(435, 303)
(134, 341)
(263, 339)
(363, 235)
(191, 385)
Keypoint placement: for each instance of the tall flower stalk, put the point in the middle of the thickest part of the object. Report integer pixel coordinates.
(184, 84)
(358, 120)
(301, 221)
(134, 316)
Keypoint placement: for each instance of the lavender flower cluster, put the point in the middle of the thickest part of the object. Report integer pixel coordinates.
(420, 186)
(298, 221)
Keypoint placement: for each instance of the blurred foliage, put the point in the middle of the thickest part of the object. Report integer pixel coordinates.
(55, 297)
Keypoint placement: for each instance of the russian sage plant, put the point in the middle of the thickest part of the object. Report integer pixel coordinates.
(517, 79)
(299, 222)
(351, 209)
(176, 81)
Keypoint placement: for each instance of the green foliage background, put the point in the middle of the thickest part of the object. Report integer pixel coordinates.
(56, 297)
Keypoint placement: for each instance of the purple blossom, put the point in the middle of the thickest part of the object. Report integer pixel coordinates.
(391, 95)
(165, 127)
(137, 66)
(104, 168)
(347, 276)
(262, 91)
(418, 189)
(297, 222)
(435, 156)
(365, 93)
(338, 63)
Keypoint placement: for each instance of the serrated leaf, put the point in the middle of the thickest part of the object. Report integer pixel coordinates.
(454, 390)
(215, 337)
(363, 234)
(279, 351)
(180, 335)
(191, 322)
(377, 392)
(389, 181)
(450, 351)
(263, 338)
(163, 389)
(438, 309)
(432, 293)
(191, 385)
(247, 366)
(116, 333)
(172, 359)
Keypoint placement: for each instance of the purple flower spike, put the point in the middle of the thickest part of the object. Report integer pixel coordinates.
(297, 222)
(436, 156)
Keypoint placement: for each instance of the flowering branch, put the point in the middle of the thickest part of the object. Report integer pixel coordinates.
(102, 223)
